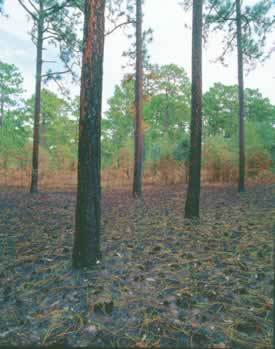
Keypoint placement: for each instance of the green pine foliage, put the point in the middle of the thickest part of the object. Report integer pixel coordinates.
(166, 113)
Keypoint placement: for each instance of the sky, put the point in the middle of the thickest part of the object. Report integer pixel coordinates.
(171, 44)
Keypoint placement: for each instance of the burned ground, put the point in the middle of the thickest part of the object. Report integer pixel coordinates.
(163, 280)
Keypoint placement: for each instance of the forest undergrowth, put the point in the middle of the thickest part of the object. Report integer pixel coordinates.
(163, 281)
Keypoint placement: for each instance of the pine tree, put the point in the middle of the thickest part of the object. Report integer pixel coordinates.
(193, 192)
(138, 160)
(86, 249)
(245, 28)
(11, 86)
(241, 97)
(52, 22)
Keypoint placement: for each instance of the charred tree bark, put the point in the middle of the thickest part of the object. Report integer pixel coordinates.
(39, 62)
(137, 183)
(86, 248)
(241, 184)
(194, 182)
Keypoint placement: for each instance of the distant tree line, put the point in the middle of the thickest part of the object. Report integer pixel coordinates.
(166, 113)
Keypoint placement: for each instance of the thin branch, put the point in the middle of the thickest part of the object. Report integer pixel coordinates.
(46, 28)
(227, 47)
(57, 73)
(27, 10)
(50, 37)
(34, 38)
(49, 61)
(50, 31)
(224, 19)
(58, 84)
(248, 23)
(33, 6)
(210, 10)
(119, 26)
(62, 88)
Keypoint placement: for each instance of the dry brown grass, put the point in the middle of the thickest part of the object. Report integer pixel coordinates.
(163, 172)
(65, 180)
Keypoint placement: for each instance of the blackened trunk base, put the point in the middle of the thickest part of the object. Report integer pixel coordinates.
(34, 182)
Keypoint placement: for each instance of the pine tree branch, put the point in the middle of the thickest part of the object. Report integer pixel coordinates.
(34, 17)
(55, 8)
(46, 28)
(228, 46)
(119, 26)
(56, 73)
(54, 37)
(33, 6)
(54, 62)
(61, 87)
(227, 16)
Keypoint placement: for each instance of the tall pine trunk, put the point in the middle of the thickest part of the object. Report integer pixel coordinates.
(194, 182)
(166, 115)
(43, 131)
(39, 62)
(2, 109)
(241, 184)
(137, 182)
(86, 248)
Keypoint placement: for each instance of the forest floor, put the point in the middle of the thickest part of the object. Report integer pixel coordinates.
(164, 281)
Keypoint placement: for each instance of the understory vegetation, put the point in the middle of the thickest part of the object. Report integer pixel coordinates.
(166, 113)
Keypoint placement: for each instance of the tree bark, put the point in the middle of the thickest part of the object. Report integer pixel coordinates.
(194, 182)
(39, 62)
(166, 116)
(137, 183)
(43, 131)
(2, 110)
(241, 184)
(86, 248)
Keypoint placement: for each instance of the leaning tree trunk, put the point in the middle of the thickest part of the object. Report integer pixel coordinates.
(194, 182)
(87, 230)
(241, 184)
(137, 182)
(35, 153)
